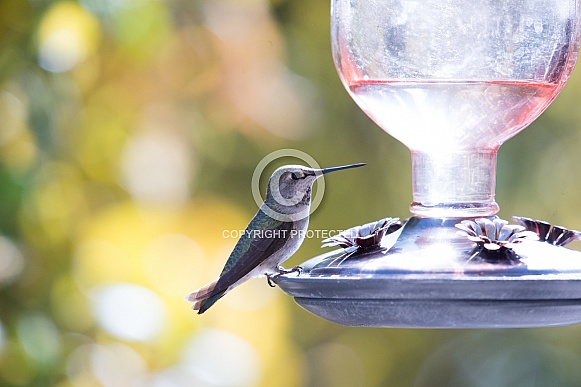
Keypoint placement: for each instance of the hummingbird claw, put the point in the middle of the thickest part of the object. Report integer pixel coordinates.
(297, 269)
(270, 278)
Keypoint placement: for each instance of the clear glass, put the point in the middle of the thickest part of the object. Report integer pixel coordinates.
(453, 80)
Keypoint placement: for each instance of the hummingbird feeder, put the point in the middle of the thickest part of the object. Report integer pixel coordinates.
(452, 80)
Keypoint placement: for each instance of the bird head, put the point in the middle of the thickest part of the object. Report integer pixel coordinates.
(290, 186)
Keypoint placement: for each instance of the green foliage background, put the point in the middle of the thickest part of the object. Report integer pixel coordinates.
(129, 132)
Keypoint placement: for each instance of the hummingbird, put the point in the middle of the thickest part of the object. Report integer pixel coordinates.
(273, 235)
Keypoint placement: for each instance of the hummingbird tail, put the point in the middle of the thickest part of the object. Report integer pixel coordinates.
(204, 297)
(202, 293)
(205, 304)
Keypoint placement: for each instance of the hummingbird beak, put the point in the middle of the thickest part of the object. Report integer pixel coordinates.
(333, 169)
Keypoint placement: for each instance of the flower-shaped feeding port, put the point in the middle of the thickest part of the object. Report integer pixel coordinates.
(362, 238)
(555, 235)
(495, 238)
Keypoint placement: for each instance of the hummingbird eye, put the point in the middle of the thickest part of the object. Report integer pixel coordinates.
(294, 176)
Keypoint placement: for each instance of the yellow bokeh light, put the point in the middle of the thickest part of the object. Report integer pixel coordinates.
(169, 262)
(171, 251)
(67, 35)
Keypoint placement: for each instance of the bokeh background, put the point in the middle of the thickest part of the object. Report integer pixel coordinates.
(129, 132)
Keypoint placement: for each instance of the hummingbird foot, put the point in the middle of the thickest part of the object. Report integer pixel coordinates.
(281, 270)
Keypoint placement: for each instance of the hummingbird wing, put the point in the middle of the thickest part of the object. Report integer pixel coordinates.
(262, 238)
(260, 248)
